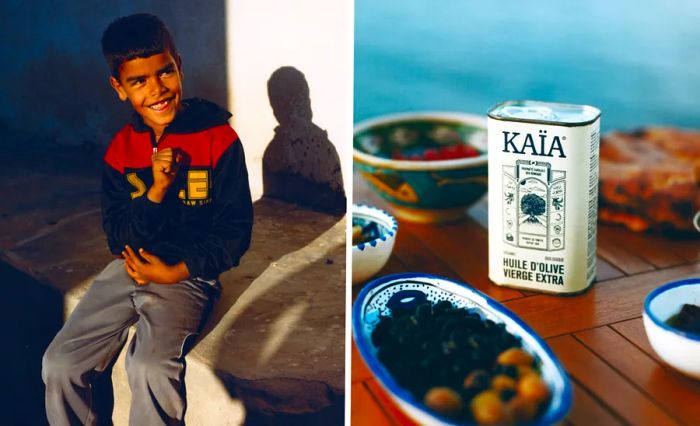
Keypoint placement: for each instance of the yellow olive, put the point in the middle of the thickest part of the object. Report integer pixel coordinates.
(523, 409)
(443, 400)
(515, 356)
(488, 409)
(502, 382)
(532, 387)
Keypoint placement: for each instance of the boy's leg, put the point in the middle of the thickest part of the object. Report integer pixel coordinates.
(170, 317)
(86, 346)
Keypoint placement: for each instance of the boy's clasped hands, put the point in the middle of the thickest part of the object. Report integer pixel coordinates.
(146, 267)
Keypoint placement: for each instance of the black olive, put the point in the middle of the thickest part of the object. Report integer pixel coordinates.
(508, 370)
(507, 394)
(449, 347)
(448, 327)
(387, 355)
(477, 380)
(381, 332)
(475, 341)
(442, 307)
(424, 310)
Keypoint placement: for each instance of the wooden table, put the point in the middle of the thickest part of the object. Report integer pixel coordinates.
(598, 335)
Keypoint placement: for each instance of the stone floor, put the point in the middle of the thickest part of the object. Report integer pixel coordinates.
(274, 347)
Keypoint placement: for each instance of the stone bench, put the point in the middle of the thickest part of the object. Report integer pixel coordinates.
(274, 345)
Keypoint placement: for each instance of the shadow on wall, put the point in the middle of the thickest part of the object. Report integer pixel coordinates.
(300, 164)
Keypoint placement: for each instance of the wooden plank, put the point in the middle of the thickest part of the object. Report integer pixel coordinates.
(586, 410)
(464, 247)
(605, 271)
(688, 247)
(653, 248)
(606, 303)
(364, 408)
(607, 385)
(633, 330)
(393, 266)
(393, 411)
(359, 371)
(417, 258)
(620, 254)
(676, 397)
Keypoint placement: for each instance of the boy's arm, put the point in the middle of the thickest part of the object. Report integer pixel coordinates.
(232, 218)
(126, 221)
(135, 222)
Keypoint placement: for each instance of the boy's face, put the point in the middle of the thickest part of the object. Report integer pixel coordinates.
(153, 86)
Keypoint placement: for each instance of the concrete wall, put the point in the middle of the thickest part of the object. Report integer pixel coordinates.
(315, 39)
(54, 80)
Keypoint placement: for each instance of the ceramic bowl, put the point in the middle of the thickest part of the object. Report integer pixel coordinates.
(679, 349)
(371, 256)
(375, 300)
(434, 190)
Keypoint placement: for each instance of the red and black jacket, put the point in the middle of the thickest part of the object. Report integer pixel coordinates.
(206, 217)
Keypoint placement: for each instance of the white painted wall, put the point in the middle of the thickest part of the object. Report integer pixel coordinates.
(313, 36)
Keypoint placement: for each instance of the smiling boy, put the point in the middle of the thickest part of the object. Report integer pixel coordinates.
(177, 210)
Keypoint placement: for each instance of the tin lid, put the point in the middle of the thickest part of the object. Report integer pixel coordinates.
(545, 113)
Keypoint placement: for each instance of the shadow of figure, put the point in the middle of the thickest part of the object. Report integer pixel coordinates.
(259, 329)
(300, 165)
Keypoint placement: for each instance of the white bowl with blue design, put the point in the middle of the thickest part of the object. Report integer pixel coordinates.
(369, 257)
(679, 349)
(414, 288)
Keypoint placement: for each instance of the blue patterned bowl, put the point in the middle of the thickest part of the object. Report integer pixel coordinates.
(425, 190)
(371, 256)
(402, 290)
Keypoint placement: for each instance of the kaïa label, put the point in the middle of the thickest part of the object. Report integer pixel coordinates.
(534, 205)
(517, 143)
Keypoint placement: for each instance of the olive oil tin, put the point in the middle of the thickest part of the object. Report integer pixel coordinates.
(543, 195)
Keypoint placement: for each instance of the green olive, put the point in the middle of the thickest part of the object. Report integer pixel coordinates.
(443, 400)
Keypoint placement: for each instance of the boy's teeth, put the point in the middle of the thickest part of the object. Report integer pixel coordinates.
(160, 105)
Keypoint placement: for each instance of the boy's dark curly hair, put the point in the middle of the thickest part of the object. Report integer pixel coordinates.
(135, 36)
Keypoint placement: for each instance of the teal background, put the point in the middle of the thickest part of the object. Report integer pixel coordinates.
(638, 61)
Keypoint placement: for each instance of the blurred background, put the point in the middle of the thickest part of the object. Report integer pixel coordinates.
(638, 61)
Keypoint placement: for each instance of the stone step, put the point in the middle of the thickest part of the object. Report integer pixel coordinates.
(274, 345)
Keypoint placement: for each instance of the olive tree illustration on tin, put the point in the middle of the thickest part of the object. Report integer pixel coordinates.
(533, 206)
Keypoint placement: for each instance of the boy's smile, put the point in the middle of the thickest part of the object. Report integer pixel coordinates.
(153, 86)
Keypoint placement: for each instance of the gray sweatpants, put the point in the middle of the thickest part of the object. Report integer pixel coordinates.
(77, 364)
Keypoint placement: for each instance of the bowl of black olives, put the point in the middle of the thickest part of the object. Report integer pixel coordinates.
(448, 354)
(672, 324)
